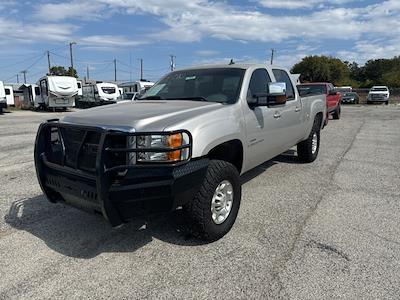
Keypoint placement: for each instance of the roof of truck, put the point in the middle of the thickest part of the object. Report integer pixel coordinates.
(233, 66)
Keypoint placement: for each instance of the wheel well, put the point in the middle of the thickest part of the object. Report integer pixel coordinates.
(231, 151)
(318, 119)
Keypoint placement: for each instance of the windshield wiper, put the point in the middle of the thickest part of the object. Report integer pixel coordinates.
(155, 97)
(189, 98)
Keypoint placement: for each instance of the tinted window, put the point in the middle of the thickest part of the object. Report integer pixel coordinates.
(43, 87)
(108, 90)
(282, 76)
(214, 85)
(258, 83)
(37, 90)
(8, 92)
(311, 89)
(379, 89)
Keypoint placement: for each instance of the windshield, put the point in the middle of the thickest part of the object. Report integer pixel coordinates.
(108, 90)
(312, 89)
(349, 94)
(213, 85)
(379, 89)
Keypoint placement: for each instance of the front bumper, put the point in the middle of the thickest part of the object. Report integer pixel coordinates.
(120, 192)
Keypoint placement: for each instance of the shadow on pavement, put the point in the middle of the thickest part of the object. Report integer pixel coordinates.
(74, 233)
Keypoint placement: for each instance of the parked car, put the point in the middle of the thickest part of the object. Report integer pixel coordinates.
(183, 144)
(378, 94)
(351, 97)
(333, 97)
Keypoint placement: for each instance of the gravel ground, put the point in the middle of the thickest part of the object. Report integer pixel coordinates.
(329, 229)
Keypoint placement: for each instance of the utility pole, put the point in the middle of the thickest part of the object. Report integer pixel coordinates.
(172, 62)
(115, 70)
(87, 72)
(24, 72)
(272, 55)
(17, 79)
(48, 61)
(141, 69)
(130, 66)
(72, 59)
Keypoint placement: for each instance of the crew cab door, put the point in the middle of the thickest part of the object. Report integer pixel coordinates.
(263, 129)
(291, 113)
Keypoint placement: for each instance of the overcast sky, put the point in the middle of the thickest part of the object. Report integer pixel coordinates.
(196, 31)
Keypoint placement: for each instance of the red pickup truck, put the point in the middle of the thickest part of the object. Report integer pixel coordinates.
(333, 98)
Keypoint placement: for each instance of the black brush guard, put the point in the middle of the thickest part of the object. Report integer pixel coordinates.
(86, 168)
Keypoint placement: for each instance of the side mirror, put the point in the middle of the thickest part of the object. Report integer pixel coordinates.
(276, 95)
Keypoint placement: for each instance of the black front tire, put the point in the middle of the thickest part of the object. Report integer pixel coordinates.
(336, 113)
(305, 150)
(387, 102)
(198, 211)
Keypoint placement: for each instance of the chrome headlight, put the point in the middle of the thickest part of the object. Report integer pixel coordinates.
(159, 148)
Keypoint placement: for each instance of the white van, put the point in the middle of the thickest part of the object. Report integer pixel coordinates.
(3, 99)
(100, 93)
(9, 94)
(56, 92)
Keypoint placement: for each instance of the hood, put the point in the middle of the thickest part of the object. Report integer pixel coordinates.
(63, 85)
(142, 115)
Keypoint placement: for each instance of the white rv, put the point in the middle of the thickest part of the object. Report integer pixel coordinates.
(100, 93)
(3, 99)
(135, 88)
(56, 92)
(9, 94)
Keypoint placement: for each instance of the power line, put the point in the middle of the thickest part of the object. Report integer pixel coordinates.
(21, 61)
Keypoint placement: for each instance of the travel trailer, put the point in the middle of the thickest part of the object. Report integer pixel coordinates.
(135, 88)
(98, 93)
(9, 94)
(3, 99)
(56, 92)
(30, 96)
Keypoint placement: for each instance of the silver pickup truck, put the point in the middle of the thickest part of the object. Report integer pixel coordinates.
(184, 144)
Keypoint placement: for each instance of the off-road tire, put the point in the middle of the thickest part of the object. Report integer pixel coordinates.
(304, 148)
(336, 113)
(198, 211)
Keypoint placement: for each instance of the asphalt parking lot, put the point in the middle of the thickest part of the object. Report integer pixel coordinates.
(330, 229)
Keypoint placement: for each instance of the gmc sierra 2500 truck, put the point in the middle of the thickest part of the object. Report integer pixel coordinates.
(184, 144)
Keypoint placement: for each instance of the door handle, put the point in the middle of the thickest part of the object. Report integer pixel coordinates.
(297, 109)
(277, 115)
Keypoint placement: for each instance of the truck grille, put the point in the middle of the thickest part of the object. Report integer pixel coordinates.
(77, 148)
(377, 96)
(81, 148)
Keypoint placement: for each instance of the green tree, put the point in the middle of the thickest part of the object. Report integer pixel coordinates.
(61, 71)
(323, 69)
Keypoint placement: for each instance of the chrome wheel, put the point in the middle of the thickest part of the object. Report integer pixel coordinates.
(314, 143)
(221, 203)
